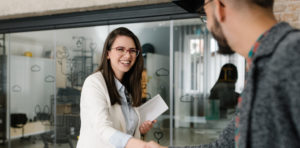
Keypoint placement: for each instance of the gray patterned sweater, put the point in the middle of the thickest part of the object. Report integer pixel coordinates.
(270, 111)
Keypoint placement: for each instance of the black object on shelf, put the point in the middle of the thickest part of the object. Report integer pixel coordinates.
(147, 48)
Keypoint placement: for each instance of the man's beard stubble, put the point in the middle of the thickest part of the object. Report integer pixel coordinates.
(218, 34)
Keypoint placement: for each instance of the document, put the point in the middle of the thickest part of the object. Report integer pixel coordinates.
(152, 108)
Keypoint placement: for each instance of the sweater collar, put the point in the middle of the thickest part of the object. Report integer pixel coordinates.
(275, 34)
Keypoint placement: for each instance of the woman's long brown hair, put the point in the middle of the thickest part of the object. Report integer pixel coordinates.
(131, 79)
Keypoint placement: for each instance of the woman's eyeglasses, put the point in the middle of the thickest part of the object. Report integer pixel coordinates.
(122, 51)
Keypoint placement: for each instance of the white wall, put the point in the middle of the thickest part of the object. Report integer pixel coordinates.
(32, 83)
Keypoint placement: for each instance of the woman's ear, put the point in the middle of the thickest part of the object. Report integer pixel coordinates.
(107, 56)
(220, 11)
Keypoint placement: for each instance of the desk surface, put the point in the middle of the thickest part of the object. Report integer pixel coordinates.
(31, 128)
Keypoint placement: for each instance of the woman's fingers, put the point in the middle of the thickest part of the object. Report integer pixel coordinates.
(154, 121)
(146, 126)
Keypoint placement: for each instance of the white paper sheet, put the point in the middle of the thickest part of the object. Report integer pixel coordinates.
(152, 108)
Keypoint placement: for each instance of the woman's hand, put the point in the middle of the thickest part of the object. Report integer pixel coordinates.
(153, 144)
(146, 126)
(137, 143)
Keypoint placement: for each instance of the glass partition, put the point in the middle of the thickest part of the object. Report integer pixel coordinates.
(46, 70)
(155, 42)
(3, 89)
(31, 80)
(78, 53)
(198, 114)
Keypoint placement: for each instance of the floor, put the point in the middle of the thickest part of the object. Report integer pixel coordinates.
(184, 136)
(200, 134)
(35, 142)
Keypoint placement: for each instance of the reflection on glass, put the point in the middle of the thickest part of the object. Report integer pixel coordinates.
(223, 98)
(196, 68)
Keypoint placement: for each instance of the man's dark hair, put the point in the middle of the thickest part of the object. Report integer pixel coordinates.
(262, 3)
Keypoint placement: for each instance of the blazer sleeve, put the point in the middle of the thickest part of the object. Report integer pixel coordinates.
(95, 108)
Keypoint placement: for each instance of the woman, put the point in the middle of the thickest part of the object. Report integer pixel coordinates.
(110, 96)
(224, 89)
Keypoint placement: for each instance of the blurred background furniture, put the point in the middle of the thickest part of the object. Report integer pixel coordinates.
(18, 120)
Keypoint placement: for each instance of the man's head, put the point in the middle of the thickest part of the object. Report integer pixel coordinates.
(218, 34)
(216, 14)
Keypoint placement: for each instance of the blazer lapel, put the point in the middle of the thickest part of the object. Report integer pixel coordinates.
(120, 116)
(137, 133)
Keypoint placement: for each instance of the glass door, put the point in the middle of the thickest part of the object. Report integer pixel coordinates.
(31, 67)
(46, 70)
(198, 115)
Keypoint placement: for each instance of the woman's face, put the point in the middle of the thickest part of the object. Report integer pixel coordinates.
(122, 55)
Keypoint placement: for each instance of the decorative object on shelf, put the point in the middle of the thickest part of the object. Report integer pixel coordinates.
(35, 68)
(48, 54)
(28, 54)
(80, 43)
(42, 115)
(147, 48)
(62, 53)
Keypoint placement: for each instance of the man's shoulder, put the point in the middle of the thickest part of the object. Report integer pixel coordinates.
(293, 37)
(285, 57)
(290, 45)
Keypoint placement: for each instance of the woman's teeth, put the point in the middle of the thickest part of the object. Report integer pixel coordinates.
(125, 62)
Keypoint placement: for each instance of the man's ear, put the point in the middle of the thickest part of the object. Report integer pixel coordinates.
(220, 10)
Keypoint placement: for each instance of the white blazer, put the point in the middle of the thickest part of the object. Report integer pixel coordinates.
(99, 119)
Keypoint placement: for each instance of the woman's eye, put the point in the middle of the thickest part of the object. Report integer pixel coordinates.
(120, 49)
(132, 51)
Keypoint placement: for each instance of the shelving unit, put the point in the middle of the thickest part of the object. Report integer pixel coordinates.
(83, 67)
(82, 61)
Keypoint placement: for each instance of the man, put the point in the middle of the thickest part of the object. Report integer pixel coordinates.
(268, 113)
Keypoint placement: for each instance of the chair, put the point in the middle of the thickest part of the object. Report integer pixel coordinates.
(62, 132)
(18, 120)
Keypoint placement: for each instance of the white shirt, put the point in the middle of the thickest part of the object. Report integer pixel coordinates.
(120, 139)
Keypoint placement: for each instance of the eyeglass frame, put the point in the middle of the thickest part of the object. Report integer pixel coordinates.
(202, 7)
(128, 50)
(199, 10)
